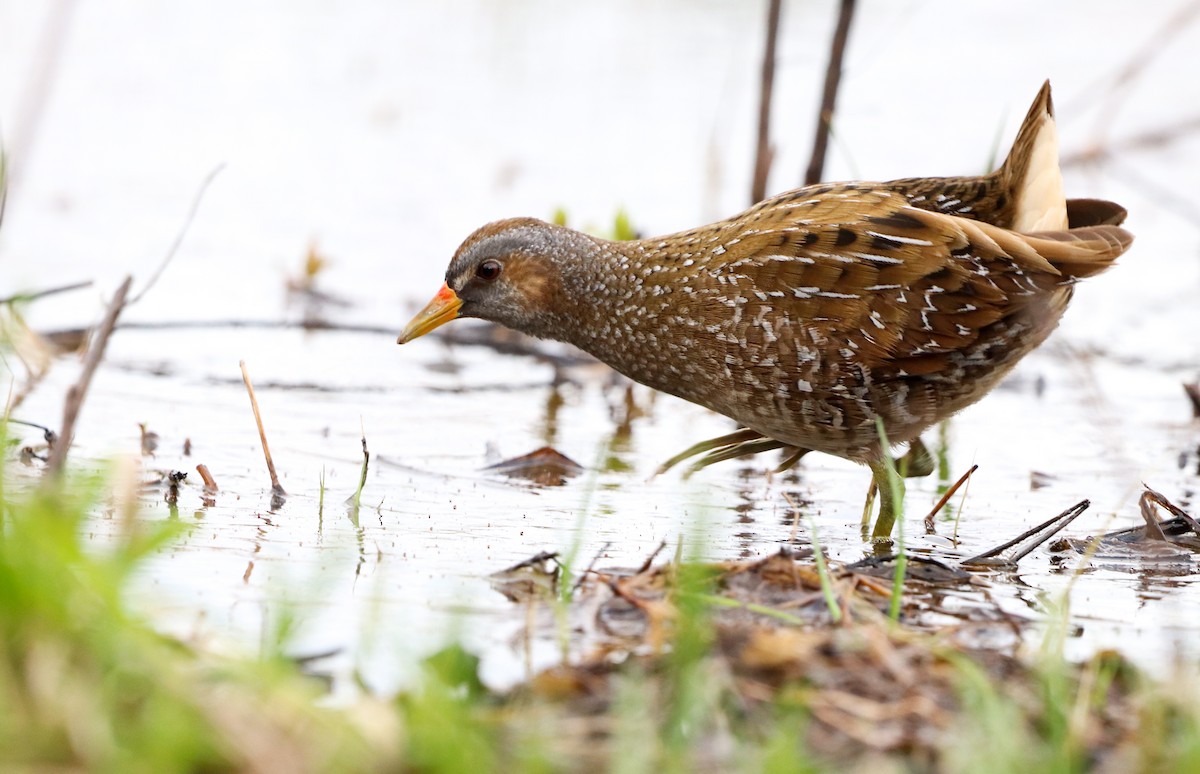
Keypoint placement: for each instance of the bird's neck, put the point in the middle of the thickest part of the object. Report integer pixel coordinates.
(617, 305)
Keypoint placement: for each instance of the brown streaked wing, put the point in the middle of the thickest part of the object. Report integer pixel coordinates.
(904, 283)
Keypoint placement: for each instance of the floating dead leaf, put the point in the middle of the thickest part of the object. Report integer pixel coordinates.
(545, 466)
(1039, 480)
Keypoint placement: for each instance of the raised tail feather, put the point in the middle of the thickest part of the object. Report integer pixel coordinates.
(1086, 228)
(1031, 172)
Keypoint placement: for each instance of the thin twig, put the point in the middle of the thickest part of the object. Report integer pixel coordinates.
(929, 523)
(764, 153)
(833, 77)
(25, 297)
(187, 222)
(262, 434)
(78, 391)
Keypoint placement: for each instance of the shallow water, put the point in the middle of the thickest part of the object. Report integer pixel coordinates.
(386, 132)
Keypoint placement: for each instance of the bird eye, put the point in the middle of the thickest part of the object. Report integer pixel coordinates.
(488, 270)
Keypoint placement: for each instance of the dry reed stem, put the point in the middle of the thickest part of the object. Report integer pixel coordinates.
(764, 153)
(833, 78)
(262, 433)
(78, 391)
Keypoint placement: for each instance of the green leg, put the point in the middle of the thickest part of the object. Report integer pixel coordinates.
(917, 462)
(889, 505)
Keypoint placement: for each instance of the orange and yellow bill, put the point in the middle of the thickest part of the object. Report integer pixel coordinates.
(441, 310)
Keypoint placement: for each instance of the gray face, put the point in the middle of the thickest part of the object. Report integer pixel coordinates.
(477, 274)
(506, 273)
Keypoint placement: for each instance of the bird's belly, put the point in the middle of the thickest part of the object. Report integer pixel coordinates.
(830, 403)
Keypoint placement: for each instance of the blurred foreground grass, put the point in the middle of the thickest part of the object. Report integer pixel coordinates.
(86, 685)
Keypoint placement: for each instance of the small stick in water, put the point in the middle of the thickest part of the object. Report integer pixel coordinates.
(262, 434)
(929, 520)
(210, 483)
